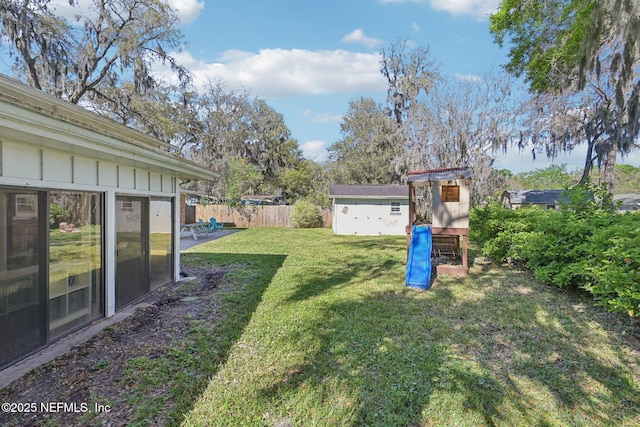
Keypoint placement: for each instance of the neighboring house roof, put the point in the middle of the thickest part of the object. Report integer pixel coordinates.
(628, 201)
(268, 197)
(445, 174)
(537, 197)
(369, 191)
(32, 116)
(255, 199)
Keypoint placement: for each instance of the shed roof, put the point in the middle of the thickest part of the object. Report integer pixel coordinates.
(535, 196)
(369, 191)
(443, 174)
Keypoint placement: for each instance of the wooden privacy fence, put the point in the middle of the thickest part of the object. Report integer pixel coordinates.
(254, 216)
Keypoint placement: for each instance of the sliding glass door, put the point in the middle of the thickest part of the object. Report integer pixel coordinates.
(76, 293)
(52, 261)
(161, 242)
(132, 249)
(22, 261)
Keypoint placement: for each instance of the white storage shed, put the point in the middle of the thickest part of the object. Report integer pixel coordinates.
(370, 210)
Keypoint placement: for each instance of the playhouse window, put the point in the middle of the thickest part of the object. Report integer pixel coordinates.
(450, 193)
(395, 208)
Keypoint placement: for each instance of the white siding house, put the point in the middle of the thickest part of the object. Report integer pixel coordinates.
(89, 217)
(370, 210)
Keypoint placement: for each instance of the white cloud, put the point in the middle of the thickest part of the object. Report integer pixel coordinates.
(470, 78)
(478, 8)
(187, 10)
(314, 150)
(278, 73)
(322, 117)
(358, 36)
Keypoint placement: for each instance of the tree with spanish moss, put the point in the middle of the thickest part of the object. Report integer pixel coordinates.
(589, 48)
(85, 56)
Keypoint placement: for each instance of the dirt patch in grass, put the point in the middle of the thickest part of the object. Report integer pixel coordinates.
(89, 385)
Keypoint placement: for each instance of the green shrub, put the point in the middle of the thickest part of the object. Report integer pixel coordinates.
(487, 221)
(505, 233)
(306, 215)
(58, 214)
(615, 269)
(585, 244)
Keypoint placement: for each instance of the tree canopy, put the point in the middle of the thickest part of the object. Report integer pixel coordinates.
(410, 73)
(90, 55)
(428, 122)
(243, 139)
(368, 149)
(580, 48)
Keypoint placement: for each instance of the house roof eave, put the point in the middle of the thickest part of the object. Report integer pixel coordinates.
(33, 117)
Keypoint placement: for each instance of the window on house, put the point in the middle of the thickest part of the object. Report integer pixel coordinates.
(450, 193)
(127, 206)
(395, 208)
(26, 206)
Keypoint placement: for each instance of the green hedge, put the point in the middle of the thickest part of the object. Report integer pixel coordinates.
(306, 215)
(585, 244)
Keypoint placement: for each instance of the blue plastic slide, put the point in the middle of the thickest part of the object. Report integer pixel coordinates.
(419, 260)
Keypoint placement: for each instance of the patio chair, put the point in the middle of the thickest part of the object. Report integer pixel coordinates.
(215, 225)
(204, 227)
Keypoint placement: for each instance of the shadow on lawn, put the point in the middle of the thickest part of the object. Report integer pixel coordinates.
(331, 275)
(326, 278)
(251, 275)
(408, 357)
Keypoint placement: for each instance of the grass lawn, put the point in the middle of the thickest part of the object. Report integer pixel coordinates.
(335, 338)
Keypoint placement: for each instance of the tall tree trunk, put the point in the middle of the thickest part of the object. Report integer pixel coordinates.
(610, 166)
(588, 163)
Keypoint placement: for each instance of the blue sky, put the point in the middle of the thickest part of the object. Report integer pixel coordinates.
(309, 58)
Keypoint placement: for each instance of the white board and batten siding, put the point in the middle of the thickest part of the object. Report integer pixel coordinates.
(370, 210)
(26, 164)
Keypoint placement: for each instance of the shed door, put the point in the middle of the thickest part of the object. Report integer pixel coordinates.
(365, 219)
(132, 253)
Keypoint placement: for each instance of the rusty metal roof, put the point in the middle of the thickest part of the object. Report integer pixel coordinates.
(444, 174)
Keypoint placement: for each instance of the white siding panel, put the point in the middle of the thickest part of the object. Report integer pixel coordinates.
(57, 166)
(85, 171)
(108, 174)
(21, 161)
(155, 181)
(142, 180)
(167, 184)
(370, 217)
(126, 177)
